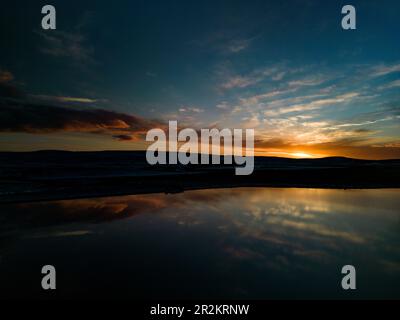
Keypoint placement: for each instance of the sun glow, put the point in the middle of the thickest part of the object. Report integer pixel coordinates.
(287, 154)
(302, 155)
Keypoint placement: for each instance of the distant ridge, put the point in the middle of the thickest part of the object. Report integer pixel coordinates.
(142, 152)
(54, 174)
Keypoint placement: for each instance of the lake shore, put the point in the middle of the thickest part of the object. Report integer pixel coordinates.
(57, 175)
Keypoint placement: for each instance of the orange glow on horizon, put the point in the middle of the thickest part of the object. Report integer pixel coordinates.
(288, 154)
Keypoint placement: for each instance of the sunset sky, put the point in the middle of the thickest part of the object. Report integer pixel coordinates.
(113, 70)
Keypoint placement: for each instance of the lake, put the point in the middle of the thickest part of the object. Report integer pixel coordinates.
(244, 243)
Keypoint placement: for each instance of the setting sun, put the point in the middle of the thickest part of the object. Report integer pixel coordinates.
(302, 155)
(288, 154)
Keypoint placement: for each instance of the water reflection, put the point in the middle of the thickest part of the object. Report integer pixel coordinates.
(228, 243)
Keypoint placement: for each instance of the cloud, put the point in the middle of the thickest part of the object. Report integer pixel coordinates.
(313, 81)
(254, 100)
(383, 70)
(66, 44)
(225, 42)
(364, 131)
(8, 89)
(65, 99)
(123, 137)
(6, 76)
(327, 137)
(394, 144)
(237, 45)
(151, 74)
(316, 104)
(191, 109)
(23, 218)
(20, 112)
(240, 82)
(271, 143)
(36, 118)
(390, 85)
(232, 81)
(279, 76)
(223, 105)
(363, 123)
(349, 147)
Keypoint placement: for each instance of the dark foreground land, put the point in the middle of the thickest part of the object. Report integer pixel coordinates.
(44, 175)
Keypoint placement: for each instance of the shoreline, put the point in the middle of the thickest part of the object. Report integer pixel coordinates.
(74, 193)
(46, 176)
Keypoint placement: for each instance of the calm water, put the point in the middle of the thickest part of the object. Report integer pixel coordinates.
(230, 243)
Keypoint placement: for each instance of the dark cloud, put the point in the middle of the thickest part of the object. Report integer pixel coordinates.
(21, 112)
(8, 90)
(73, 44)
(36, 118)
(123, 137)
(271, 143)
(364, 131)
(5, 76)
(7, 87)
(66, 44)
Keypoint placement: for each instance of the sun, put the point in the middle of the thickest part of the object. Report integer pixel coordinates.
(301, 155)
(287, 154)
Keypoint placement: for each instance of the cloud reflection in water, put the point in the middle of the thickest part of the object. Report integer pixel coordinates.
(264, 233)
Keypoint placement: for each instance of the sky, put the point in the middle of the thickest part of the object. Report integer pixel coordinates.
(112, 71)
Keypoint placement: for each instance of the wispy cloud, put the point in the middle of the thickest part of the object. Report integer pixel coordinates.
(66, 99)
(190, 109)
(237, 45)
(225, 42)
(316, 104)
(365, 123)
(66, 44)
(254, 100)
(240, 82)
(384, 69)
(231, 80)
(309, 81)
(390, 85)
(224, 105)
